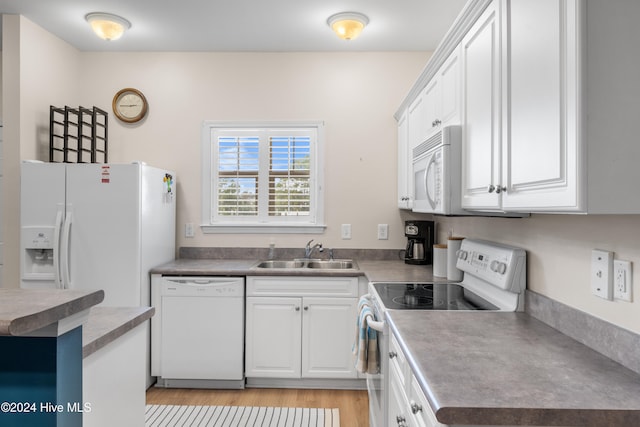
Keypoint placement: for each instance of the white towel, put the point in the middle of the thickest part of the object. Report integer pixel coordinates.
(365, 346)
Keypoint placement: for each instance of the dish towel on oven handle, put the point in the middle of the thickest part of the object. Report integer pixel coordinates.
(365, 346)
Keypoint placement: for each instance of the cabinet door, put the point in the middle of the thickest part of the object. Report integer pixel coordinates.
(416, 123)
(328, 336)
(540, 151)
(481, 112)
(273, 337)
(432, 98)
(450, 96)
(404, 165)
(398, 412)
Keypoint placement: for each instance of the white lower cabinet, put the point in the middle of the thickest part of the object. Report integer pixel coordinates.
(114, 382)
(273, 337)
(298, 327)
(408, 406)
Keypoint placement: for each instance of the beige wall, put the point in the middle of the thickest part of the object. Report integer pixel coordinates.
(559, 255)
(355, 94)
(37, 70)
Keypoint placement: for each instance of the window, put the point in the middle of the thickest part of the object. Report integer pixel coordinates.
(262, 177)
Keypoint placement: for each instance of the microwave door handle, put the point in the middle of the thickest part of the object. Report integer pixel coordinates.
(431, 164)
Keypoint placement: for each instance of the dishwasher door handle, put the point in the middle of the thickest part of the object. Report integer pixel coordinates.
(199, 283)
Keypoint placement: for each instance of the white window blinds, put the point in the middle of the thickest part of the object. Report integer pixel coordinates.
(263, 176)
(238, 167)
(289, 175)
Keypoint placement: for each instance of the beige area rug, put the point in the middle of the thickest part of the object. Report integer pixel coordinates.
(239, 416)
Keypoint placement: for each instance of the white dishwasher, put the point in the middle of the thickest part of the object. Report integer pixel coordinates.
(198, 332)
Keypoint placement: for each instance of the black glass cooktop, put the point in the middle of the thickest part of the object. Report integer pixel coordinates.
(430, 296)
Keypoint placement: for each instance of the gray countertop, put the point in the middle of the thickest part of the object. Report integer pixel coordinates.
(379, 271)
(511, 369)
(485, 368)
(106, 324)
(23, 311)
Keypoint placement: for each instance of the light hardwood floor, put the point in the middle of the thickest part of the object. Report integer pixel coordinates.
(353, 404)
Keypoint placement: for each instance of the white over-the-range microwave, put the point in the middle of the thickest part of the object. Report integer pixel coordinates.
(437, 173)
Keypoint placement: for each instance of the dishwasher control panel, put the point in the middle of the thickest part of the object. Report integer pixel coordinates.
(203, 286)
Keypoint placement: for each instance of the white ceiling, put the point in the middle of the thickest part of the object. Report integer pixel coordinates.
(244, 25)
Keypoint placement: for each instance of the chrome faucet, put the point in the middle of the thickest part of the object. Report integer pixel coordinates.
(308, 249)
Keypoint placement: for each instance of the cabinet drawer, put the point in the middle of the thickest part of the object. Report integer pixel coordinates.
(420, 406)
(302, 286)
(398, 361)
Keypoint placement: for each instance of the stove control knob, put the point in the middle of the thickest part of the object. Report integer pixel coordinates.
(502, 267)
(462, 254)
(498, 267)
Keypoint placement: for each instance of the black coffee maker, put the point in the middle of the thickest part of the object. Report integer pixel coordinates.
(420, 235)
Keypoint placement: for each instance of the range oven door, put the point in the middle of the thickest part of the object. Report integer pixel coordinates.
(377, 384)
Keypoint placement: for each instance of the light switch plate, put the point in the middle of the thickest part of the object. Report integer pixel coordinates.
(188, 230)
(602, 274)
(346, 231)
(383, 231)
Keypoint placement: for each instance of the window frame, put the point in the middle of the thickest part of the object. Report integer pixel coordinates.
(213, 223)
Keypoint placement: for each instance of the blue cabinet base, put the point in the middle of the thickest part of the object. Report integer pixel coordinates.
(41, 380)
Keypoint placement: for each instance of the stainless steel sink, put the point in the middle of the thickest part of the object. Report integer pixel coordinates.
(338, 264)
(343, 264)
(281, 264)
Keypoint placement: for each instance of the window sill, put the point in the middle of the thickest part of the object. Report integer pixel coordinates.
(262, 229)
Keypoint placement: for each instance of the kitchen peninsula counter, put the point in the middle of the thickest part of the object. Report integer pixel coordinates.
(107, 324)
(511, 369)
(24, 311)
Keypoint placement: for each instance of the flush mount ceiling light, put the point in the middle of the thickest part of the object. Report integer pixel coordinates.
(107, 26)
(348, 25)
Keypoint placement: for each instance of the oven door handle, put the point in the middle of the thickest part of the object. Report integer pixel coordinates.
(376, 326)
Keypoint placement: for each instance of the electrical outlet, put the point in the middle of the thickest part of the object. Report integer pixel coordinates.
(622, 280)
(346, 231)
(383, 231)
(601, 274)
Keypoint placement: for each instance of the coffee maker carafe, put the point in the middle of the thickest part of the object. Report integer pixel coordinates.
(420, 235)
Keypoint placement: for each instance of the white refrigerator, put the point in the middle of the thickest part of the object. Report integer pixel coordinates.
(96, 226)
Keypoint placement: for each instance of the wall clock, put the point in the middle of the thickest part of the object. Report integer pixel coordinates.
(130, 105)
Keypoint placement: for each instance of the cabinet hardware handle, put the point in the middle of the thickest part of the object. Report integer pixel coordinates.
(491, 188)
(297, 308)
(415, 408)
(500, 189)
(306, 308)
(438, 122)
(392, 354)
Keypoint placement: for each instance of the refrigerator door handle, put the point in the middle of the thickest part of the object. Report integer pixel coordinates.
(65, 252)
(56, 247)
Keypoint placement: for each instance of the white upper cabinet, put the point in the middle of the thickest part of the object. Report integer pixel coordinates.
(481, 108)
(405, 190)
(574, 98)
(541, 149)
(550, 100)
(448, 107)
(438, 104)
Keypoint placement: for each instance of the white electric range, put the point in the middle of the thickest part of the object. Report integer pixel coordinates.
(494, 280)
